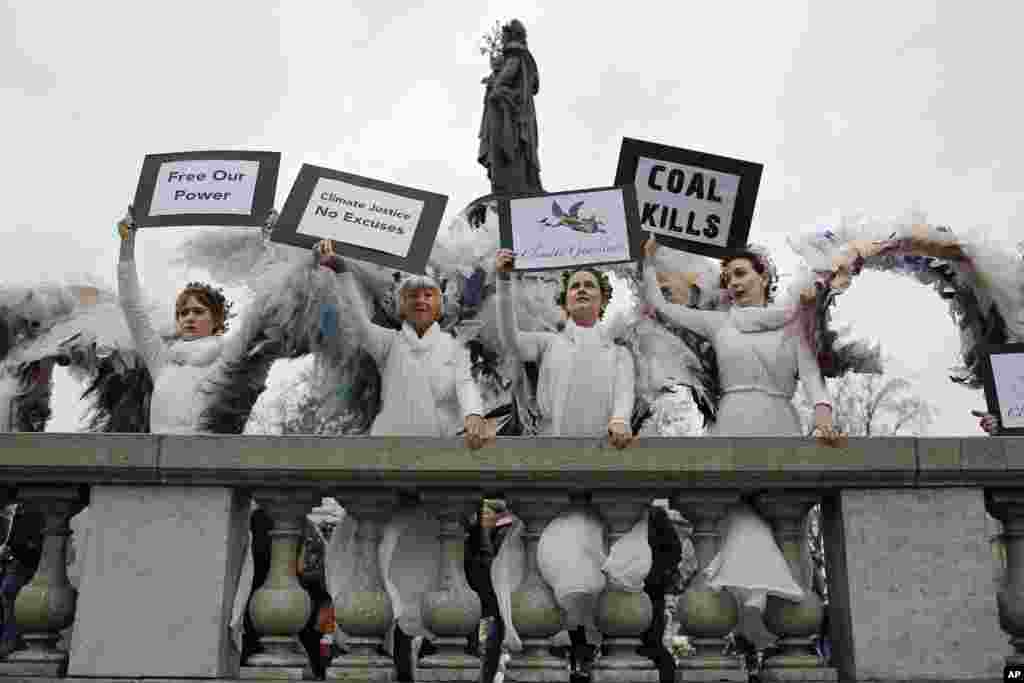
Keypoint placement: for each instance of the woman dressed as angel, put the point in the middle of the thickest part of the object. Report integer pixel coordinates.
(180, 370)
(761, 354)
(585, 389)
(426, 390)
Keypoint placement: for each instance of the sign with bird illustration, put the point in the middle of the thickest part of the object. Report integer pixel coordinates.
(571, 229)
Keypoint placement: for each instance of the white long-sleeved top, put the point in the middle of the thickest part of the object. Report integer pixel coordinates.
(179, 370)
(760, 358)
(585, 378)
(426, 385)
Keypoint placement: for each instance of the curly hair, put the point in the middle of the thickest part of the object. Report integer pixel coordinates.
(602, 280)
(763, 265)
(212, 298)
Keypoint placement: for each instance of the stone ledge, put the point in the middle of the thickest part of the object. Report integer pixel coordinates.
(658, 464)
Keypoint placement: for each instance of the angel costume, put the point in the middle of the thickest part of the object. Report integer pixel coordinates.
(179, 371)
(585, 380)
(426, 390)
(760, 356)
(417, 374)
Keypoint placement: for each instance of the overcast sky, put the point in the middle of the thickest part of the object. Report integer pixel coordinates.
(852, 106)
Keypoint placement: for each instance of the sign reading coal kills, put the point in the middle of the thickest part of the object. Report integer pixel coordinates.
(690, 200)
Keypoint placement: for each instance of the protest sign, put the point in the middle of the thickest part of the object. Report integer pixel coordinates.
(571, 229)
(206, 188)
(691, 201)
(1004, 385)
(371, 220)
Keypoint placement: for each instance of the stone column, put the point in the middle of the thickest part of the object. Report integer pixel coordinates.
(452, 611)
(363, 611)
(706, 616)
(796, 624)
(623, 615)
(280, 608)
(535, 614)
(1008, 508)
(46, 605)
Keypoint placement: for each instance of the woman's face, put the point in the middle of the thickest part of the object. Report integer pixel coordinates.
(421, 306)
(746, 285)
(583, 299)
(194, 320)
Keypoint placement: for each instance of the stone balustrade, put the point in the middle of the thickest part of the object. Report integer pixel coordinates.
(912, 577)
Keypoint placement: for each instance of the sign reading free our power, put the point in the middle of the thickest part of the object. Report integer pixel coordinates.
(206, 188)
(691, 201)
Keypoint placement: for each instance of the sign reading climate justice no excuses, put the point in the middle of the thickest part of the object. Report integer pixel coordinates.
(206, 188)
(371, 220)
(691, 201)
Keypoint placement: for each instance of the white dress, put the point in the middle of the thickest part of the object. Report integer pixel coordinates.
(426, 390)
(760, 357)
(585, 380)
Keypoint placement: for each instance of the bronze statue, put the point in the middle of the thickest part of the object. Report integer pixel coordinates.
(508, 131)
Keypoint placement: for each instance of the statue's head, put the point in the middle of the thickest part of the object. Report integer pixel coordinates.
(513, 31)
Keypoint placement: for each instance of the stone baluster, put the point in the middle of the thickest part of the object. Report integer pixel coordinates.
(452, 611)
(363, 609)
(796, 624)
(623, 615)
(535, 614)
(1008, 507)
(705, 615)
(46, 605)
(280, 608)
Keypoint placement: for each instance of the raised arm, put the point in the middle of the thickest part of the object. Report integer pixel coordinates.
(529, 346)
(375, 339)
(129, 294)
(704, 323)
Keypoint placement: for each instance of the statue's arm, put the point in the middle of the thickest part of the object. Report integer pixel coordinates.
(509, 70)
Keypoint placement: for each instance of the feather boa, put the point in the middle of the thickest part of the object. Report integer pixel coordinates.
(982, 279)
(33, 324)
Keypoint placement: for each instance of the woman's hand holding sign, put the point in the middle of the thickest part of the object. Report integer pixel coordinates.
(989, 423)
(327, 257)
(650, 247)
(505, 261)
(126, 231)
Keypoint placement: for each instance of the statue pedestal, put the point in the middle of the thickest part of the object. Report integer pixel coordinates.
(158, 581)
